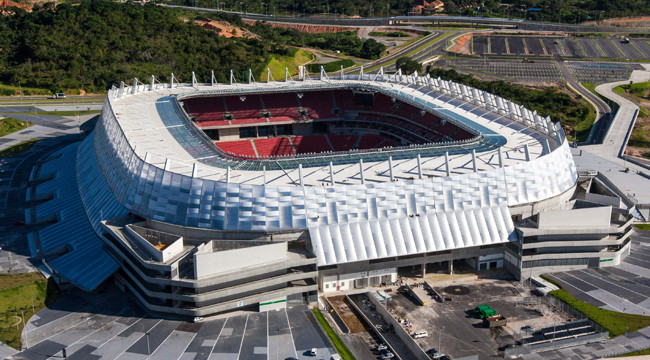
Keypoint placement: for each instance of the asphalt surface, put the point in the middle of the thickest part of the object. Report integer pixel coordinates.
(603, 111)
(623, 288)
(108, 324)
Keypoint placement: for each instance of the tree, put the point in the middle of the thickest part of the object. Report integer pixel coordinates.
(408, 65)
(371, 49)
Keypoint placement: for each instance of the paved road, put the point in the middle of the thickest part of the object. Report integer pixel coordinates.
(603, 111)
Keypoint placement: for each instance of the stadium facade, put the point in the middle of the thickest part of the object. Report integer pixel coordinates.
(193, 226)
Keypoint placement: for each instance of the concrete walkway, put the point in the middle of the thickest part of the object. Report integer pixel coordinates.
(616, 137)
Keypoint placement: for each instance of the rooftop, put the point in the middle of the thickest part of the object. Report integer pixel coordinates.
(151, 125)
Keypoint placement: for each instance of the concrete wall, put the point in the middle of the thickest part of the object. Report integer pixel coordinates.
(160, 255)
(274, 304)
(604, 199)
(303, 129)
(227, 261)
(399, 330)
(330, 283)
(577, 218)
(229, 134)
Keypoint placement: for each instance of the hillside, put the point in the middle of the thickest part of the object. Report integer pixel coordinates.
(100, 43)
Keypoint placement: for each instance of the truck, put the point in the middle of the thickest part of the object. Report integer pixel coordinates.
(495, 321)
(484, 311)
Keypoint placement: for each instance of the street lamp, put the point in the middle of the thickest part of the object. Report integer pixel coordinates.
(148, 347)
(439, 332)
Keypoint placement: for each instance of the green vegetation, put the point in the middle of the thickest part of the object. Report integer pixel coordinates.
(9, 125)
(338, 344)
(590, 35)
(8, 90)
(16, 292)
(408, 65)
(61, 113)
(100, 43)
(614, 322)
(18, 148)
(642, 226)
(331, 66)
(548, 101)
(278, 64)
(344, 41)
(389, 34)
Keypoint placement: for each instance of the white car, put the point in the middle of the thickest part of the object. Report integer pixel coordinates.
(313, 352)
(528, 328)
(387, 355)
(438, 355)
(382, 347)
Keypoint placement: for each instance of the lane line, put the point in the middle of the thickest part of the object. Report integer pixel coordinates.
(243, 336)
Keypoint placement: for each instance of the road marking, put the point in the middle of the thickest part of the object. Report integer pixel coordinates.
(243, 336)
(67, 346)
(218, 336)
(291, 333)
(143, 335)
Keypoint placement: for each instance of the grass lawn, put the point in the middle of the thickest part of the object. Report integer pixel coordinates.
(583, 128)
(643, 226)
(9, 125)
(18, 148)
(60, 113)
(340, 347)
(16, 292)
(278, 64)
(614, 322)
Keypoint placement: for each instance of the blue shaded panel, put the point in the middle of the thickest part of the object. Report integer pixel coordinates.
(86, 264)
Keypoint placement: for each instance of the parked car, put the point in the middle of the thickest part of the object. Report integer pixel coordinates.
(387, 355)
(382, 347)
(528, 329)
(313, 352)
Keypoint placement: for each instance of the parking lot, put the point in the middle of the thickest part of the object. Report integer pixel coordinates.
(624, 288)
(539, 70)
(571, 47)
(600, 72)
(110, 326)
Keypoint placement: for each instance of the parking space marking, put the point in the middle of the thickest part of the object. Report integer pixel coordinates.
(243, 336)
(136, 340)
(291, 333)
(67, 346)
(644, 296)
(218, 336)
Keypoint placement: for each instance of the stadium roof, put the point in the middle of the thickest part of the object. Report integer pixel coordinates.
(153, 127)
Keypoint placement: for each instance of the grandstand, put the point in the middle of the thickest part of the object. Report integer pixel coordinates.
(309, 112)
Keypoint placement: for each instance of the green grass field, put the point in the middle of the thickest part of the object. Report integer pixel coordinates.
(8, 90)
(643, 226)
(278, 64)
(16, 293)
(18, 148)
(9, 125)
(615, 322)
(338, 344)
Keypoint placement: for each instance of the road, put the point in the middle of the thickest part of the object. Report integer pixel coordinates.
(432, 45)
(603, 111)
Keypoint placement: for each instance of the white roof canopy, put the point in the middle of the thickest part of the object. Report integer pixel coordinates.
(438, 231)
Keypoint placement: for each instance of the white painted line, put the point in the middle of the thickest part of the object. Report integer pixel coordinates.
(218, 336)
(118, 356)
(162, 343)
(268, 339)
(188, 345)
(243, 335)
(68, 328)
(291, 333)
(614, 284)
(107, 341)
(67, 346)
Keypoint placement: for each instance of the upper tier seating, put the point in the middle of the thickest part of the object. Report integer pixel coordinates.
(370, 141)
(310, 144)
(343, 142)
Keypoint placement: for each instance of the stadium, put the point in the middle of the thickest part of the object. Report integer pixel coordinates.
(207, 198)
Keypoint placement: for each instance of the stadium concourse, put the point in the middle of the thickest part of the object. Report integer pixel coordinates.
(205, 199)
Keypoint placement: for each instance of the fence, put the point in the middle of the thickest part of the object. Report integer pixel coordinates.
(558, 305)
